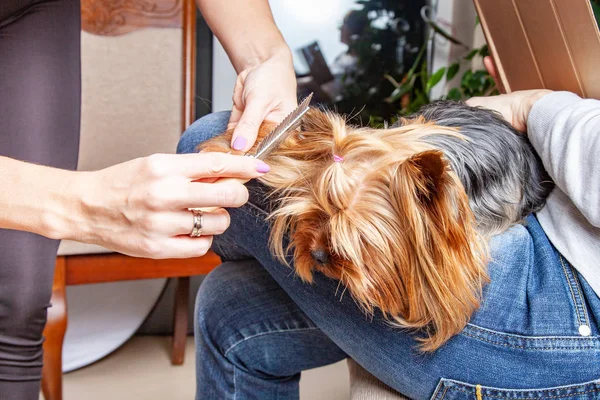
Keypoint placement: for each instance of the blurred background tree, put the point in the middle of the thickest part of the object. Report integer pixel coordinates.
(388, 45)
(391, 75)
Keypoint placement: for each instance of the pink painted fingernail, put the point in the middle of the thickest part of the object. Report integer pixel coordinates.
(239, 143)
(262, 167)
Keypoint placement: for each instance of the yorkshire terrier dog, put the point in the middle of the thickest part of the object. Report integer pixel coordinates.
(402, 216)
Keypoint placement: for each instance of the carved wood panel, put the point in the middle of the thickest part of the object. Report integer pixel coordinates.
(117, 17)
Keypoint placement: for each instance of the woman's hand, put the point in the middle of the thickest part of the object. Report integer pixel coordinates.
(515, 106)
(266, 91)
(266, 84)
(140, 207)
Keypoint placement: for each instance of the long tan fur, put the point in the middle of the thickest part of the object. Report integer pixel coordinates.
(393, 217)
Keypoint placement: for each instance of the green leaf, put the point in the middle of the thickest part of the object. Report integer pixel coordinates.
(465, 78)
(477, 21)
(472, 54)
(401, 91)
(424, 74)
(376, 122)
(392, 80)
(452, 70)
(435, 79)
(484, 51)
(454, 94)
(412, 70)
(596, 9)
(419, 101)
(437, 29)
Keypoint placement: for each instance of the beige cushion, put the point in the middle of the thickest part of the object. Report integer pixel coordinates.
(364, 386)
(131, 101)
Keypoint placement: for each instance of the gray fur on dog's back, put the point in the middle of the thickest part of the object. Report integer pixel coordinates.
(502, 175)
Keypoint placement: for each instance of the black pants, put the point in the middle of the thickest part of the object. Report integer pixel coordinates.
(40, 91)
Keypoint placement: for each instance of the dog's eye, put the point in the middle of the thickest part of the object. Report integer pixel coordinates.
(320, 256)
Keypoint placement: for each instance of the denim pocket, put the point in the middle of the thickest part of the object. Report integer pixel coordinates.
(448, 389)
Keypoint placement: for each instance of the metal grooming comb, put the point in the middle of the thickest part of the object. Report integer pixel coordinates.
(278, 135)
(271, 141)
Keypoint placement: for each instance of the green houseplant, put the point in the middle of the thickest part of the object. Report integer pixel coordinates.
(383, 83)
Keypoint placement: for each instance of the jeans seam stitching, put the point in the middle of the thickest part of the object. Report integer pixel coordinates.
(532, 338)
(581, 297)
(575, 305)
(436, 394)
(536, 390)
(553, 348)
(438, 387)
(234, 388)
(266, 333)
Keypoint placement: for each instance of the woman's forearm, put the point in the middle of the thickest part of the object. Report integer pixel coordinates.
(36, 198)
(246, 29)
(139, 207)
(563, 129)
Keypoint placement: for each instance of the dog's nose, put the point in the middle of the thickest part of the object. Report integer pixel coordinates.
(320, 256)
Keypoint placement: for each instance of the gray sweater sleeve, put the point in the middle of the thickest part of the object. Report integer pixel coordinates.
(565, 131)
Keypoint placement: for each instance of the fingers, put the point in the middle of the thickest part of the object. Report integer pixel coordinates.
(265, 90)
(488, 62)
(238, 105)
(246, 129)
(204, 165)
(186, 247)
(177, 226)
(490, 67)
(221, 194)
(178, 223)
(477, 102)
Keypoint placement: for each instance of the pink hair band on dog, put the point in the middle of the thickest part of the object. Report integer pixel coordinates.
(337, 158)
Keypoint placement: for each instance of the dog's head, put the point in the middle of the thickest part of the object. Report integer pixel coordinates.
(381, 211)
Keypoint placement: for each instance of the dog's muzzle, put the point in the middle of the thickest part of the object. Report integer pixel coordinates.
(320, 256)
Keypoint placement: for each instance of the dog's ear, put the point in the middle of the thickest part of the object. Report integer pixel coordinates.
(429, 170)
(447, 257)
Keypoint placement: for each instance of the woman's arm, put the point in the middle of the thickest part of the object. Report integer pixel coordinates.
(266, 84)
(34, 198)
(138, 207)
(246, 29)
(565, 131)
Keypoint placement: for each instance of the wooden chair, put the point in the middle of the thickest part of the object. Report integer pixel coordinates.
(138, 78)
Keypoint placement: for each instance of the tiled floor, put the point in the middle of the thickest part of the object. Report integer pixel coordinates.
(141, 370)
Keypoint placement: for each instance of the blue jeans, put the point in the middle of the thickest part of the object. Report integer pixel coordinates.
(258, 326)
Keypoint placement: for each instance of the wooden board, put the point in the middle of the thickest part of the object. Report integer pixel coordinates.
(551, 44)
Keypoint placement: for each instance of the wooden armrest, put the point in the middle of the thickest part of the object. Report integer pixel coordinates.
(97, 268)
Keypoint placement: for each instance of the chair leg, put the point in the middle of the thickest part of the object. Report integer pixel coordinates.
(180, 320)
(54, 334)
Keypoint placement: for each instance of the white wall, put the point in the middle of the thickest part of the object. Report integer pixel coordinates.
(223, 79)
(456, 17)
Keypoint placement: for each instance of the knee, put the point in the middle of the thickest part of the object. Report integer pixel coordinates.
(23, 311)
(203, 129)
(22, 321)
(228, 303)
(215, 302)
(228, 318)
(26, 284)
